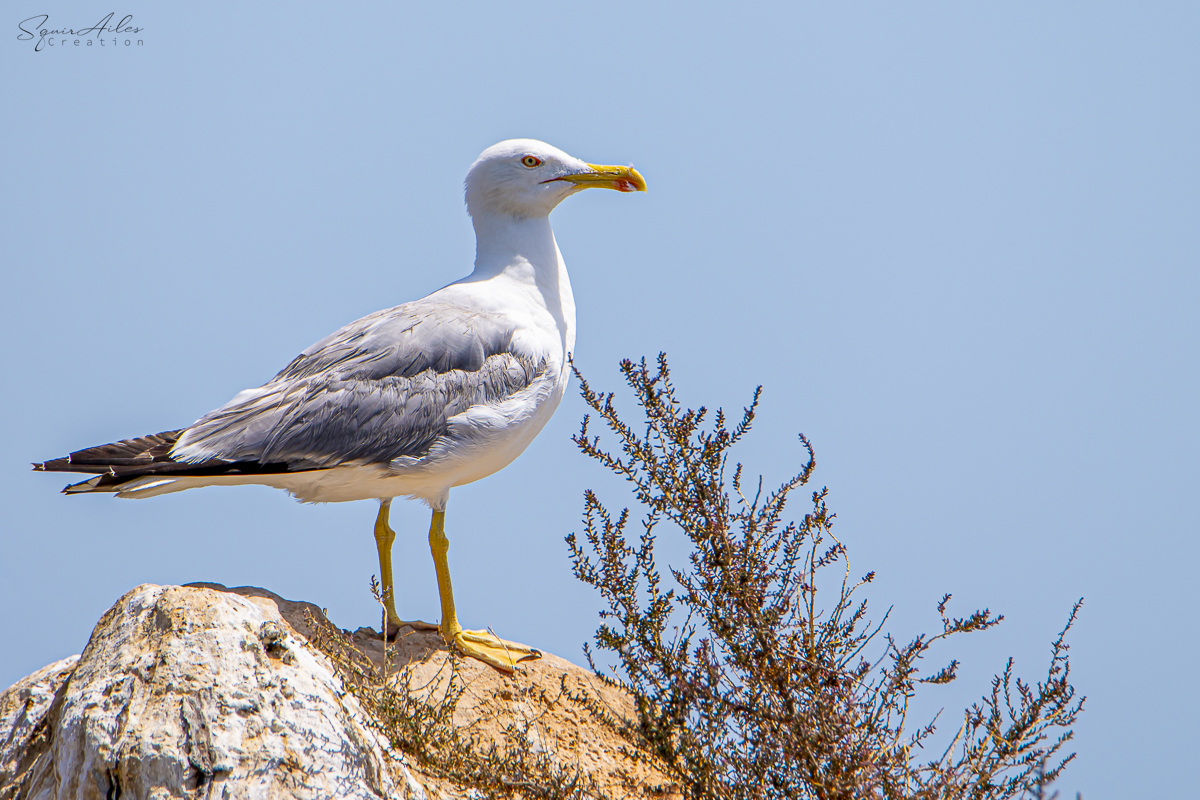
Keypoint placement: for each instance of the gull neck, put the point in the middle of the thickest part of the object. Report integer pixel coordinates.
(523, 248)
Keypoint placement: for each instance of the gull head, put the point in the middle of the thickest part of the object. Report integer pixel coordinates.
(528, 178)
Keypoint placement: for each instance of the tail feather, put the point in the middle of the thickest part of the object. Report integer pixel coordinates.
(122, 486)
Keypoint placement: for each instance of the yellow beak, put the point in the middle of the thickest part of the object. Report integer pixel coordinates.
(623, 179)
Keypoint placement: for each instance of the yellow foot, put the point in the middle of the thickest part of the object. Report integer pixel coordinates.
(494, 652)
(394, 626)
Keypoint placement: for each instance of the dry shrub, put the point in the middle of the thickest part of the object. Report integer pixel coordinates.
(416, 716)
(746, 685)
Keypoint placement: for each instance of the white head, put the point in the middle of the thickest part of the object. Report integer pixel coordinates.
(528, 178)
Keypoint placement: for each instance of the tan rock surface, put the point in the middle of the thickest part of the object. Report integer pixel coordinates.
(203, 691)
(537, 700)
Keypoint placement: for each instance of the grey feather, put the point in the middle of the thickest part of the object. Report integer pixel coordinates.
(381, 388)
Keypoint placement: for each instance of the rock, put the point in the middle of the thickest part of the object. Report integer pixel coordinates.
(203, 691)
(185, 690)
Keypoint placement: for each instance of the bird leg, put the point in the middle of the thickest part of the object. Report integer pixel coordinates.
(384, 537)
(482, 645)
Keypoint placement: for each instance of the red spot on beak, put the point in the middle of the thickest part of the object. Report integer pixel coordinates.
(622, 185)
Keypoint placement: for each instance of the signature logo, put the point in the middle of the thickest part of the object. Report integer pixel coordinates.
(34, 28)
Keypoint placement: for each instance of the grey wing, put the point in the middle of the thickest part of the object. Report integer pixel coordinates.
(381, 388)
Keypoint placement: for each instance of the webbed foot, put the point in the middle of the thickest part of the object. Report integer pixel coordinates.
(492, 650)
(394, 626)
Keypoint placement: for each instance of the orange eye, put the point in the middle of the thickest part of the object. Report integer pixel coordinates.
(531, 161)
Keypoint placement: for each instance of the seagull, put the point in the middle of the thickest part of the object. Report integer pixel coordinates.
(410, 401)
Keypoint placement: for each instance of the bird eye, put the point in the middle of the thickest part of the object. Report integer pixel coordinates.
(531, 161)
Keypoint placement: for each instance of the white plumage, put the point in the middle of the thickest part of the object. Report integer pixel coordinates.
(409, 401)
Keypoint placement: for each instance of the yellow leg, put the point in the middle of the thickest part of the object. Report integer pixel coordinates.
(384, 537)
(482, 645)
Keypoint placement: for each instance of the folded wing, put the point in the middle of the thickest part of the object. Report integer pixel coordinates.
(381, 388)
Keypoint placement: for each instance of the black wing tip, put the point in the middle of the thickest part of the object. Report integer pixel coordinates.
(56, 465)
(142, 451)
(116, 463)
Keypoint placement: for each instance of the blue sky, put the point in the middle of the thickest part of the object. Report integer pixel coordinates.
(956, 243)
